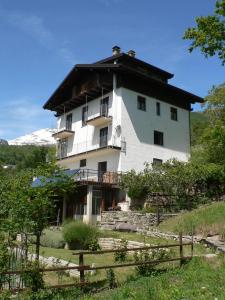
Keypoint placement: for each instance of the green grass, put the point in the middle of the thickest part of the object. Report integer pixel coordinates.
(108, 258)
(199, 279)
(209, 219)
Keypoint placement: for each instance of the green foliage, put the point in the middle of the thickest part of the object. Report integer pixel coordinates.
(33, 279)
(199, 279)
(25, 157)
(111, 278)
(79, 235)
(209, 34)
(144, 256)
(185, 184)
(199, 121)
(208, 219)
(50, 294)
(51, 238)
(121, 256)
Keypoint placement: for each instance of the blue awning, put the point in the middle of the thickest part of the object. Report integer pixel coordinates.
(57, 178)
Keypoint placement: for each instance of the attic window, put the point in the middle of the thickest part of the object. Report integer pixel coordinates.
(173, 113)
(141, 103)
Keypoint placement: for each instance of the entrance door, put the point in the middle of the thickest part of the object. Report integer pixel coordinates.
(102, 169)
(103, 137)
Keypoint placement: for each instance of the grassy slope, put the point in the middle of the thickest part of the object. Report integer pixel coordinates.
(204, 220)
(196, 280)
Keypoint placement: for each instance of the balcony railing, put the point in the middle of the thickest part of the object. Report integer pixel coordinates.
(63, 133)
(86, 146)
(99, 118)
(90, 175)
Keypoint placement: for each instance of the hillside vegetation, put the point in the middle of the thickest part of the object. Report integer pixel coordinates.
(198, 279)
(208, 219)
(24, 156)
(199, 121)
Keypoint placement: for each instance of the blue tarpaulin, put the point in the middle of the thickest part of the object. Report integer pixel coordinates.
(42, 180)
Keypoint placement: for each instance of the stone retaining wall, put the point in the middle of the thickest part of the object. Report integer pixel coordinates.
(139, 219)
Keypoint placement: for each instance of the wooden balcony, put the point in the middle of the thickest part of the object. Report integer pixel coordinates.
(63, 134)
(89, 176)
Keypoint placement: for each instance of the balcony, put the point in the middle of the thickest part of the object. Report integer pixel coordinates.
(63, 134)
(95, 176)
(88, 147)
(100, 118)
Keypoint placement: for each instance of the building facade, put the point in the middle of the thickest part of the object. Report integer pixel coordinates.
(113, 116)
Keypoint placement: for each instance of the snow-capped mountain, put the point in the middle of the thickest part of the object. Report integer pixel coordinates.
(42, 137)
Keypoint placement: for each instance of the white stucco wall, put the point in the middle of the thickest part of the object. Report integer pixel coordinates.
(138, 128)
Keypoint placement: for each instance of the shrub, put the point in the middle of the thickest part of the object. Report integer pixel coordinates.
(52, 239)
(144, 256)
(121, 256)
(79, 235)
(111, 278)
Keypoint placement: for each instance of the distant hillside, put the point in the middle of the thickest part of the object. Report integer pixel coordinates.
(27, 156)
(199, 122)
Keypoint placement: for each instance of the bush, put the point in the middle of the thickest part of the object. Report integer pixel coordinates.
(121, 256)
(144, 256)
(52, 239)
(79, 235)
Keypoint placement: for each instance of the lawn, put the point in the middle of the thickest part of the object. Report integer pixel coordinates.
(108, 259)
(199, 279)
(205, 220)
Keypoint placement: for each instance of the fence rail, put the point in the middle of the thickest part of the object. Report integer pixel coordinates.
(82, 267)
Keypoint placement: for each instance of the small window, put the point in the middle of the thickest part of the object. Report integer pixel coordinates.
(83, 163)
(173, 113)
(84, 115)
(69, 122)
(158, 112)
(157, 161)
(158, 138)
(141, 103)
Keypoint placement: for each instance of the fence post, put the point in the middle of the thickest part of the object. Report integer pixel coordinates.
(158, 214)
(181, 248)
(81, 263)
(192, 245)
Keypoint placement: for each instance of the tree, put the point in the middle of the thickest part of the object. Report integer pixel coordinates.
(209, 33)
(25, 209)
(213, 138)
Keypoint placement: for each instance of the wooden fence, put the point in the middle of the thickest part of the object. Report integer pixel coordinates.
(82, 267)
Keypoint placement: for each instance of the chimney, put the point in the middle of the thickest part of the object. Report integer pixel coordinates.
(116, 50)
(131, 53)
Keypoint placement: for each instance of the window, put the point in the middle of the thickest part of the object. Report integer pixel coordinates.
(158, 112)
(96, 201)
(84, 115)
(69, 122)
(173, 113)
(62, 148)
(83, 163)
(103, 135)
(157, 161)
(104, 107)
(158, 138)
(141, 103)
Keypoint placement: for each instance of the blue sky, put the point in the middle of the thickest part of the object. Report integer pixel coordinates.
(42, 40)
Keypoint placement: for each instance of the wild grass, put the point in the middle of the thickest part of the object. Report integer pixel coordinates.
(206, 220)
(199, 279)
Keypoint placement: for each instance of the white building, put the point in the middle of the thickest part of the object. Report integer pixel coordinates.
(113, 116)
